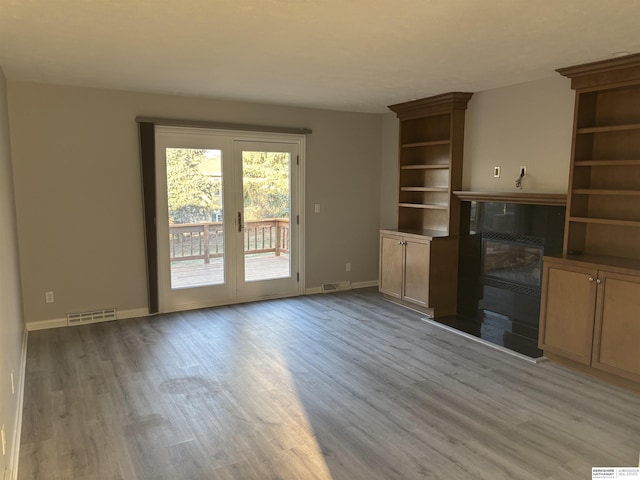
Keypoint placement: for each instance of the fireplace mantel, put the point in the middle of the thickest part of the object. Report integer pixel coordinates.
(513, 197)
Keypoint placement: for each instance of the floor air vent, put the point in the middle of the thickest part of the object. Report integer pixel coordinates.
(91, 317)
(335, 287)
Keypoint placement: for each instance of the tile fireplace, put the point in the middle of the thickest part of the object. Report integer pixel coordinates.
(500, 270)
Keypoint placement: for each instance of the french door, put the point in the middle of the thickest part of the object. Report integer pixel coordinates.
(228, 216)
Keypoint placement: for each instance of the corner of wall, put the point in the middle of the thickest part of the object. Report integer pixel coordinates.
(13, 341)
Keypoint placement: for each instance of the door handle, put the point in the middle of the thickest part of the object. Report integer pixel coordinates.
(240, 222)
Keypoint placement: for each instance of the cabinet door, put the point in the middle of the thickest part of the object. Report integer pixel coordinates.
(567, 311)
(416, 277)
(391, 265)
(617, 335)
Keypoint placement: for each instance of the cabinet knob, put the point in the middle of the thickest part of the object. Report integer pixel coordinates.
(598, 281)
(591, 279)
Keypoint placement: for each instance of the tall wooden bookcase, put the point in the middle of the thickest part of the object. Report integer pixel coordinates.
(430, 162)
(419, 260)
(604, 192)
(591, 295)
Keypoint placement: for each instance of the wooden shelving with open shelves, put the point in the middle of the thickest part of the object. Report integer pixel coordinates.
(430, 162)
(419, 260)
(605, 167)
(591, 295)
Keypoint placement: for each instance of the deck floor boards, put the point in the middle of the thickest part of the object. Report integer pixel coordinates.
(257, 267)
(343, 386)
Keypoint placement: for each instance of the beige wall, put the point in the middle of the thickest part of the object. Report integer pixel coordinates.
(78, 181)
(527, 124)
(12, 348)
(78, 195)
(389, 172)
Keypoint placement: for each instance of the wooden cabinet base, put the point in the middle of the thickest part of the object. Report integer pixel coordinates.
(419, 271)
(604, 376)
(589, 316)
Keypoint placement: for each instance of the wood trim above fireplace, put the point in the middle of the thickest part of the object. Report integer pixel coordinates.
(513, 197)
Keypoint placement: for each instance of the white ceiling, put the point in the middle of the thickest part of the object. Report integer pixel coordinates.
(354, 55)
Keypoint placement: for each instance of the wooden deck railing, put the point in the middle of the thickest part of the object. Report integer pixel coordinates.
(204, 241)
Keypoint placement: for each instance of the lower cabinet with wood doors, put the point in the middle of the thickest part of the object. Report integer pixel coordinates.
(419, 272)
(589, 314)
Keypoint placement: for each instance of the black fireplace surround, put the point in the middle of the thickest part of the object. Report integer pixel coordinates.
(500, 270)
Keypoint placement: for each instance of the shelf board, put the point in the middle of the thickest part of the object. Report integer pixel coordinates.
(513, 197)
(602, 191)
(605, 221)
(424, 189)
(624, 265)
(430, 206)
(425, 167)
(418, 232)
(609, 128)
(606, 163)
(426, 144)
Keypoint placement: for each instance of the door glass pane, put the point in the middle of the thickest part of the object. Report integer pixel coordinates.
(267, 208)
(194, 198)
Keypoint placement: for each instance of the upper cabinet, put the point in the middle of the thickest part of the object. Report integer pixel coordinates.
(603, 206)
(430, 162)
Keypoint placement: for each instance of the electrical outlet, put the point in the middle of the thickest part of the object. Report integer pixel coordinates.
(4, 441)
(496, 172)
(48, 296)
(13, 384)
(348, 267)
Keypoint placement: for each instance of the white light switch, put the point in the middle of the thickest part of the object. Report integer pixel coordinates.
(317, 208)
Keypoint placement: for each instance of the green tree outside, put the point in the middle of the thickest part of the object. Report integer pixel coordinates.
(266, 185)
(194, 185)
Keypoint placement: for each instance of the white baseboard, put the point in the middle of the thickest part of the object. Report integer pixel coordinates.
(22, 374)
(45, 324)
(133, 313)
(367, 284)
(144, 312)
(62, 322)
(354, 285)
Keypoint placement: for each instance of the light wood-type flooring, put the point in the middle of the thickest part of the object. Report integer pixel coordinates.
(342, 386)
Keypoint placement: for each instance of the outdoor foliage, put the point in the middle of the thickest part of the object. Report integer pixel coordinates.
(195, 191)
(266, 185)
(194, 194)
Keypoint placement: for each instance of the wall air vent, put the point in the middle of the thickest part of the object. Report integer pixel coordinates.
(335, 287)
(91, 317)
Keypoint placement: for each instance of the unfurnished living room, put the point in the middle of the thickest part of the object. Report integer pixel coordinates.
(327, 240)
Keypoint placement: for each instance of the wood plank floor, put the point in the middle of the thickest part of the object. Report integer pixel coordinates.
(257, 267)
(343, 386)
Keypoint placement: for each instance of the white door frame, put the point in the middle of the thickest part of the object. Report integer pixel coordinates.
(188, 137)
(251, 290)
